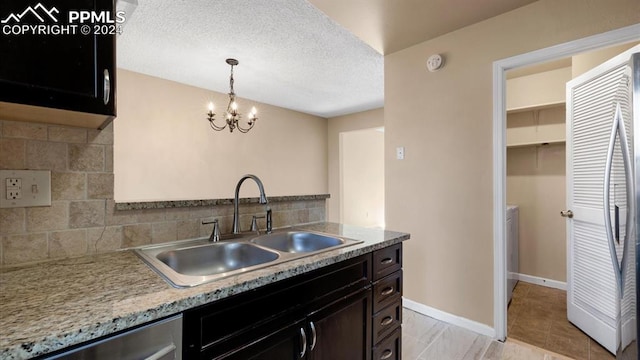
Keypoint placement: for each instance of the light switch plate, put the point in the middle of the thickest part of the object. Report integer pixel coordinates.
(25, 188)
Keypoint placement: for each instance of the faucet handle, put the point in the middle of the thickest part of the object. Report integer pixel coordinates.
(215, 234)
(254, 222)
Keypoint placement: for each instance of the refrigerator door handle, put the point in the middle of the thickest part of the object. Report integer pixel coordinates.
(618, 128)
(631, 201)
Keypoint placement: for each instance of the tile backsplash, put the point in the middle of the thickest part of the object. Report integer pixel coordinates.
(83, 218)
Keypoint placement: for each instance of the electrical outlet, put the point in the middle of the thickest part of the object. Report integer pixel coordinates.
(25, 188)
(14, 188)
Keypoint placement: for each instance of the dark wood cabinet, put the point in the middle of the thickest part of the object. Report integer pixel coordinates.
(386, 320)
(387, 303)
(387, 261)
(336, 312)
(294, 316)
(58, 74)
(342, 330)
(282, 344)
(389, 348)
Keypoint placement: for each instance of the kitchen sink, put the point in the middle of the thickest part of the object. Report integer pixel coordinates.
(297, 241)
(194, 262)
(215, 258)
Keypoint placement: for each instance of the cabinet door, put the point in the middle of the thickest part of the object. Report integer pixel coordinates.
(286, 343)
(69, 70)
(341, 330)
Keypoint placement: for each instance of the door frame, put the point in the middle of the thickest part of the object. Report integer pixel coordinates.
(610, 38)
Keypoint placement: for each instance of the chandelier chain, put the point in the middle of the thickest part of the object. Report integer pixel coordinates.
(231, 82)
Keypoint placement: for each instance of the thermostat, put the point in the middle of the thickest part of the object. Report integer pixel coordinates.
(434, 62)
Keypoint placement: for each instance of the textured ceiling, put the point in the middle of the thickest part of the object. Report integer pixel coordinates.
(291, 53)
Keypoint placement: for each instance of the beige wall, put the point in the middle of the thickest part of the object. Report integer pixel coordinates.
(583, 62)
(362, 178)
(442, 192)
(541, 89)
(358, 121)
(165, 150)
(536, 182)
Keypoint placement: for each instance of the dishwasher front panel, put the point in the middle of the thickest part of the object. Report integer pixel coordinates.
(160, 340)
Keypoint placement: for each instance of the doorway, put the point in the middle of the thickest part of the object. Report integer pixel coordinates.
(620, 36)
(536, 187)
(362, 177)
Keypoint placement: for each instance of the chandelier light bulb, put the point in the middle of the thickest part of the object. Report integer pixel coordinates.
(234, 106)
(211, 106)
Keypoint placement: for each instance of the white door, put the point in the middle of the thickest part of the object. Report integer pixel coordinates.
(598, 128)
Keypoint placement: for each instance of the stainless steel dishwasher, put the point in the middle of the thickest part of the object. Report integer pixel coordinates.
(160, 340)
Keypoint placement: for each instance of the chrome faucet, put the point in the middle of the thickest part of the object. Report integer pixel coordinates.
(263, 200)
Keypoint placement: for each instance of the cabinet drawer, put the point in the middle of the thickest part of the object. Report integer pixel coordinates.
(387, 320)
(387, 261)
(387, 291)
(390, 348)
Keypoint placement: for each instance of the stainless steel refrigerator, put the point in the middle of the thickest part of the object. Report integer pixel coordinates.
(603, 193)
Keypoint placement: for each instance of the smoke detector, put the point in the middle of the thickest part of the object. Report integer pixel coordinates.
(435, 62)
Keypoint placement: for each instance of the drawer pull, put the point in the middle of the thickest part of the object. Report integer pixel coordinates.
(386, 321)
(386, 261)
(387, 291)
(386, 354)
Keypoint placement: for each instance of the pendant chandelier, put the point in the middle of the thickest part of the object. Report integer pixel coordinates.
(232, 116)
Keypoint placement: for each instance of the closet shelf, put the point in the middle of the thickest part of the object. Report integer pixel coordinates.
(536, 143)
(536, 107)
(536, 127)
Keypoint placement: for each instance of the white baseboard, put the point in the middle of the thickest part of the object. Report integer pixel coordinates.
(474, 326)
(541, 281)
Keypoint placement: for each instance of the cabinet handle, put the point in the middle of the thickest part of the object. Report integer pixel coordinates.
(107, 86)
(387, 291)
(313, 336)
(386, 354)
(386, 261)
(303, 335)
(386, 321)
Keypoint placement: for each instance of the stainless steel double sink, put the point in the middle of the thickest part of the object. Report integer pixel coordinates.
(194, 262)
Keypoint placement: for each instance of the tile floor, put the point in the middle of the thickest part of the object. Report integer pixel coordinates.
(424, 338)
(537, 315)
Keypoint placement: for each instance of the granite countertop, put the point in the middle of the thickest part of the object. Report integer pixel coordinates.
(53, 305)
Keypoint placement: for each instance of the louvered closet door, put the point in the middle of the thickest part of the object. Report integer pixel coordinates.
(593, 99)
